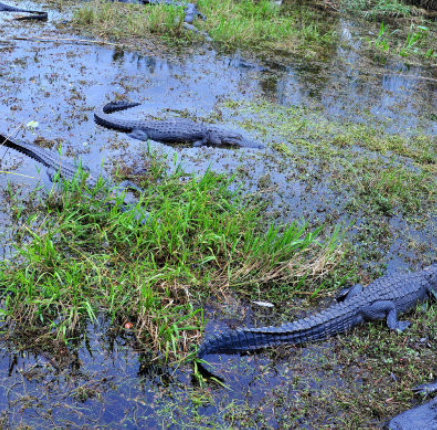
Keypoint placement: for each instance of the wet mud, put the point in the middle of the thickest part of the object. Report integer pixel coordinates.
(48, 91)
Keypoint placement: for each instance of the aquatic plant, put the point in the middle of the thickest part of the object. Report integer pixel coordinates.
(257, 25)
(79, 256)
(414, 37)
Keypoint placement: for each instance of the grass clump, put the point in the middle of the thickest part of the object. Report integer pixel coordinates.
(252, 24)
(79, 257)
(414, 40)
(377, 9)
(263, 24)
(123, 20)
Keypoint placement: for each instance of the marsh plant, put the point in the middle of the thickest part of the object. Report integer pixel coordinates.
(416, 41)
(80, 255)
(257, 25)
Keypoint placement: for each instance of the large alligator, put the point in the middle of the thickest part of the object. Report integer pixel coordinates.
(386, 297)
(175, 130)
(67, 170)
(35, 14)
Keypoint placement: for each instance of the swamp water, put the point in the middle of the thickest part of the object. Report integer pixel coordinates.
(106, 380)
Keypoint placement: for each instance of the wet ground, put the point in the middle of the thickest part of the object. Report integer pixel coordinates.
(107, 382)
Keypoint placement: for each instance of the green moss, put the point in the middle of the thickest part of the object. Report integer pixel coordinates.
(387, 171)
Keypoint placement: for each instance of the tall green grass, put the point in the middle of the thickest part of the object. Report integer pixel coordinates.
(261, 24)
(78, 257)
(253, 24)
(122, 20)
(377, 9)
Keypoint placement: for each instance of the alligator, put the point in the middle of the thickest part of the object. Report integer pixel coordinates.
(67, 170)
(419, 417)
(38, 15)
(386, 297)
(191, 13)
(175, 130)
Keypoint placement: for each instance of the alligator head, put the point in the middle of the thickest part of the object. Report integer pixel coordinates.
(218, 137)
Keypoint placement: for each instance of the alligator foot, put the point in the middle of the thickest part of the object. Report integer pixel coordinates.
(402, 325)
(128, 185)
(346, 293)
(385, 308)
(139, 134)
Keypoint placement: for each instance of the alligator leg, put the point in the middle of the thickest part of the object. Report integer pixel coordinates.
(140, 134)
(51, 174)
(199, 143)
(191, 27)
(385, 308)
(346, 293)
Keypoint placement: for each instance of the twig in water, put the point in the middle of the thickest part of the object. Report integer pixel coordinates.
(78, 41)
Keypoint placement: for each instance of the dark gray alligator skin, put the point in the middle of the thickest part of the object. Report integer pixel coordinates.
(175, 130)
(37, 15)
(386, 297)
(49, 159)
(52, 161)
(191, 14)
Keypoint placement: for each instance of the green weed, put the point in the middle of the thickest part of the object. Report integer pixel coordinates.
(256, 24)
(416, 41)
(406, 183)
(377, 9)
(89, 257)
(121, 20)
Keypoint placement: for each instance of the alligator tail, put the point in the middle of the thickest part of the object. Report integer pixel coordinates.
(23, 147)
(336, 319)
(243, 339)
(116, 106)
(101, 115)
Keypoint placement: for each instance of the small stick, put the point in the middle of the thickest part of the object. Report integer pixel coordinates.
(424, 78)
(34, 39)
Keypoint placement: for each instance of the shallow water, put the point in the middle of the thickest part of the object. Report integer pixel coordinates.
(110, 384)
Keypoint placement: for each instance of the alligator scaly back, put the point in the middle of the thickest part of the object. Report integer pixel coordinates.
(327, 323)
(386, 297)
(54, 163)
(172, 130)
